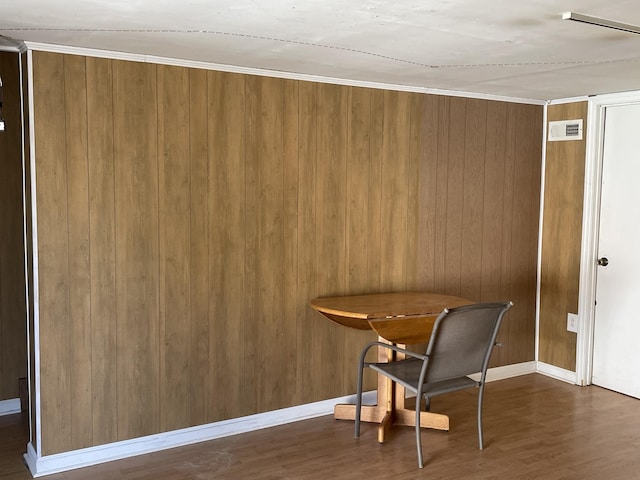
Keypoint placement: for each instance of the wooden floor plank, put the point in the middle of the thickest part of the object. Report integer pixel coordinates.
(535, 427)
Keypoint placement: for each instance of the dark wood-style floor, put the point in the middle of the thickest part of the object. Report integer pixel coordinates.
(535, 428)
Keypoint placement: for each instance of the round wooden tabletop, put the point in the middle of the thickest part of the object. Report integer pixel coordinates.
(399, 317)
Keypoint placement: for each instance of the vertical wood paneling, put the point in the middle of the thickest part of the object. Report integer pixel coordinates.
(102, 216)
(330, 197)
(219, 204)
(522, 205)
(536, 132)
(53, 255)
(415, 158)
(13, 318)
(441, 172)
(506, 287)
(473, 194)
(358, 222)
(306, 320)
(495, 219)
(357, 177)
(265, 193)
(493, 201)
(137, 257)
(174, 175)
(561, 239)
(393, 190)
(428, 194)
(375, 274)
(525, 228)
(252, 289)
(199, 221)
(79, 334)
(454, 213)
(230, 311)
(524, 211)
(291, 249)
(273, 383)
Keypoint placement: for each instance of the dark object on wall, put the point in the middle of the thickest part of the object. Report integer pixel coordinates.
(23, 389)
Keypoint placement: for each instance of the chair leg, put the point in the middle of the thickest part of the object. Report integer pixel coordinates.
(359, 398)
(418, 434)
(480, 397)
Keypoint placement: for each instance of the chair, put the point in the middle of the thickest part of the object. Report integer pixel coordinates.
(460, 345)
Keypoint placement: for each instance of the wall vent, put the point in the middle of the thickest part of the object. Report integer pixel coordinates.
(564, 130)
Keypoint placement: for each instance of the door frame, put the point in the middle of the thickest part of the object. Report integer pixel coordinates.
(590, 227)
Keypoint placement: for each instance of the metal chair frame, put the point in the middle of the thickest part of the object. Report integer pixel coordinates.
(415, 371)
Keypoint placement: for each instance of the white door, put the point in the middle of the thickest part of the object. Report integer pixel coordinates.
(616, 349)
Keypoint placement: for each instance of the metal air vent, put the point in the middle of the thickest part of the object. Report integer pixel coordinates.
(564, 130)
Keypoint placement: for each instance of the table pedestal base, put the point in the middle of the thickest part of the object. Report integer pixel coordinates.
(385, 418)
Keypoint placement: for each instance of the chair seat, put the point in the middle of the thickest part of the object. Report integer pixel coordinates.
(405, 372)
(448, 386)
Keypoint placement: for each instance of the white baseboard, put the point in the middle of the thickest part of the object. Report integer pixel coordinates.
(49, 464)
(508, 371)
(30, 458)
(557, 373)
(9, 407)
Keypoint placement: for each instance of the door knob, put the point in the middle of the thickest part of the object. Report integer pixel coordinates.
(603, 262)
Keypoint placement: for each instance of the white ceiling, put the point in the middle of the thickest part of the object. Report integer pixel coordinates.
(510, 48)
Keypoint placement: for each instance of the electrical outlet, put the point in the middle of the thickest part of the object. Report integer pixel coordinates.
(572, 322)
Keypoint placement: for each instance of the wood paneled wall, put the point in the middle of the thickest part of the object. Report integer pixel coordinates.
(186, 218)
(13, 319)
(561, 240)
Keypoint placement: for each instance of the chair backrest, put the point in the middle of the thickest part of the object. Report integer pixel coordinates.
(463, 339)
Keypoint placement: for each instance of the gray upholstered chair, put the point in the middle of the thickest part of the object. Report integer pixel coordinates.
(460, 345)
